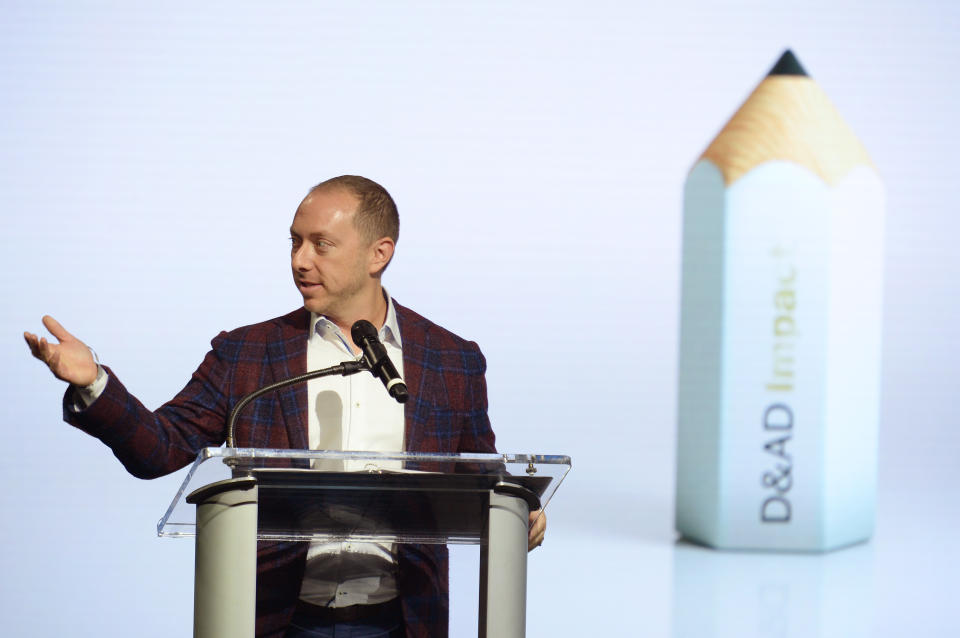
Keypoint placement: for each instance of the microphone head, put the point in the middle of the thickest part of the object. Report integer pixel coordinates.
(400, 393)
(362, 330)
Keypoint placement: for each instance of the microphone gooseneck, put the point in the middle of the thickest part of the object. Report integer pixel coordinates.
(345, 369)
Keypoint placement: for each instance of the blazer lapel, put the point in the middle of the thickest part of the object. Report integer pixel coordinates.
(287, 354)
(412, 341)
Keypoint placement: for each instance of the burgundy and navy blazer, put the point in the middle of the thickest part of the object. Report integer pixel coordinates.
(446, 412)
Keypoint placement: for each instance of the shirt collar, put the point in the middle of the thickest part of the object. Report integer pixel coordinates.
(389, 332)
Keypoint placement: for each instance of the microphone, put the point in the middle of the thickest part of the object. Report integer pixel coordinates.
(376, 358)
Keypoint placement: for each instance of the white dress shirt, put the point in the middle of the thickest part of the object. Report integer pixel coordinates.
(351, 413)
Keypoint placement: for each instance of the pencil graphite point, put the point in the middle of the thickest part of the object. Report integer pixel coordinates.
(788, 64)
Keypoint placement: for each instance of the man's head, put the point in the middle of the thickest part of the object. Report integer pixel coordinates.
(343, 236)
(376, 214)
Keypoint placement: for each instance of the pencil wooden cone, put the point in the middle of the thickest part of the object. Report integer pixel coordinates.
(779, 383)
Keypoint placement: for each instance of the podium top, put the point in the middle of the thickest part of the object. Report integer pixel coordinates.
(384, 496)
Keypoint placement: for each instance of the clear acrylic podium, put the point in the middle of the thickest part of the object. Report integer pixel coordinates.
(231, 497)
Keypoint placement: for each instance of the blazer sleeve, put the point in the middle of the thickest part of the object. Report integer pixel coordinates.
(476, 434)
(155, 443)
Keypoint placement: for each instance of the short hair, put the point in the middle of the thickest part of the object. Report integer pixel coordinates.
(376, 214)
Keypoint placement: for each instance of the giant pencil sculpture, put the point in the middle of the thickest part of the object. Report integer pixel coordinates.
(779, 375)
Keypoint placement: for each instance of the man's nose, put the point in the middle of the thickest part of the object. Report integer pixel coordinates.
(299, 258)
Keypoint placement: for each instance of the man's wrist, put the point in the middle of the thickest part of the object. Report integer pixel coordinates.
(89, 393)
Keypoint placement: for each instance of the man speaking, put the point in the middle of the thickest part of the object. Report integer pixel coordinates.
(343, 236)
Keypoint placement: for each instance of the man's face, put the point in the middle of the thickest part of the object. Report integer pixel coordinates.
(330, 260)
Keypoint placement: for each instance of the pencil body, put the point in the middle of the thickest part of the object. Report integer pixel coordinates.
(779, 375)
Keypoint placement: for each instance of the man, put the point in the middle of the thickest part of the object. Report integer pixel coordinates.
(343, 236)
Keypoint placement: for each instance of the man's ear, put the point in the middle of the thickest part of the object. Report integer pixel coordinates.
(381, 252)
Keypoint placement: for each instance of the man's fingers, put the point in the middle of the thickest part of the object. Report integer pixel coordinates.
(40, 348)
(538, 528)
(56, 329)
(534, 542)
(46, 351)
(33, 343)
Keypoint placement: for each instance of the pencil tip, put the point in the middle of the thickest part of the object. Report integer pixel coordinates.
(787, 65)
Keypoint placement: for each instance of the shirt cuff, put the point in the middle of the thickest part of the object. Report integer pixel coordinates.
(84, 396)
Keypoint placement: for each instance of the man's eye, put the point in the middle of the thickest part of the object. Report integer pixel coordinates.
(321, 244)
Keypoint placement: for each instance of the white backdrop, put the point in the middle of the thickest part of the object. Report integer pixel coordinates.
(151, 158)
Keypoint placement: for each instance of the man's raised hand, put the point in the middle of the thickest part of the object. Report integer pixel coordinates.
(69, 360)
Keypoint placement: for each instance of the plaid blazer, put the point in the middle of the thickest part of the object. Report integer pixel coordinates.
(446, 412)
